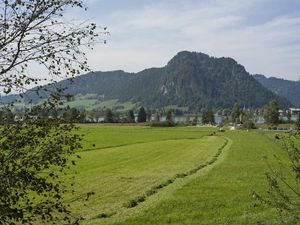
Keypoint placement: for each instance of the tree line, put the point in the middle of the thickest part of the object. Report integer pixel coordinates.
(235, 116)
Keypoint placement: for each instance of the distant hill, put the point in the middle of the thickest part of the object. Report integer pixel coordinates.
(285, 88)
(192, 80)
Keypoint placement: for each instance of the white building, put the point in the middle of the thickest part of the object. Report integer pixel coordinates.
(294, 111)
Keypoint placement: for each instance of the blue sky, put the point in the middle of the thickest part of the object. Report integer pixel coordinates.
(262, 35)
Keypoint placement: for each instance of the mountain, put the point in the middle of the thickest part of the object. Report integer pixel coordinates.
(192, 80)
(286, 88)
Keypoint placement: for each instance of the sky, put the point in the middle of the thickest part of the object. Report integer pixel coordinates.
(262, 35)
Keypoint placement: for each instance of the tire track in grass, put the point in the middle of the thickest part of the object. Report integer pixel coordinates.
(137, 200)
(179, 179)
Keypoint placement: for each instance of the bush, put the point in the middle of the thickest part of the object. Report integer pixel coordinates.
(163, 124)
(249, 125)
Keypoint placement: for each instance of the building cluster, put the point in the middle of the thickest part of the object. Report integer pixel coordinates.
(292, 111)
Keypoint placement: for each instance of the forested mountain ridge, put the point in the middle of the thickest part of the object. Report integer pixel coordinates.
(190, 79)
(286, 88)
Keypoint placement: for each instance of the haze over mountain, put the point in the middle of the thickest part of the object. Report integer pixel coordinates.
(286, 88)
(190, 79)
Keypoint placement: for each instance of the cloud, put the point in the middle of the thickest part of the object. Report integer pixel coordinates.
(256, 33)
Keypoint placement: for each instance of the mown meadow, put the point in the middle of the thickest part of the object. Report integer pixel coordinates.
(188, 175)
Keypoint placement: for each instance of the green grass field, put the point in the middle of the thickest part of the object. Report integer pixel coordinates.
(90, 102)
(145, 175)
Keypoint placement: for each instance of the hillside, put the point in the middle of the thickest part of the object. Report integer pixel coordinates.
(286, 88)
(191, 80)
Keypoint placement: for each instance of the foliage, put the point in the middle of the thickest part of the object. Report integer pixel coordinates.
(163, 124)
(157, 117)
(142, 117)
(235, 113)
(73, 115)
(35, 150)
(286, 88)
(187, 120)
(6, 116)
(208, 117)
(169, 122)
(248, 124)
(190, 80)
(130, 116)
(94, 115)
(297, 124)
(283, 187)
(271, 114)
(247, 120)
(195, 120)
(109, 116)
(169, 117)
(34, 154)
(149, 115)
(289, 116)
(69, 115)
(36, 32)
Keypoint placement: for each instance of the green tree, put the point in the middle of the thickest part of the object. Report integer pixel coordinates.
(54, 113)
(90, 115)
(142, 117)
(6, 116)
(208, 117)
(149, 115)
(130, 116)
(289, 116)
(247, 120)
(96, 114)
(71, 115)
(235, 113)
(283, 191)
(169, 117)
(297, 124)
(35, 151)
(187, 120)
(248, 124)
(34, 155)
(271, 113)
(108, 116)
(157, 117)
(82, 116)
(37, 32)
(195, 120)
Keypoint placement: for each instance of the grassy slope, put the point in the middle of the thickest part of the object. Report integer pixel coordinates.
(89, 102)
(145, 157)
(92, 101)
(119, 174)
(97, 137)
(224, 195)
